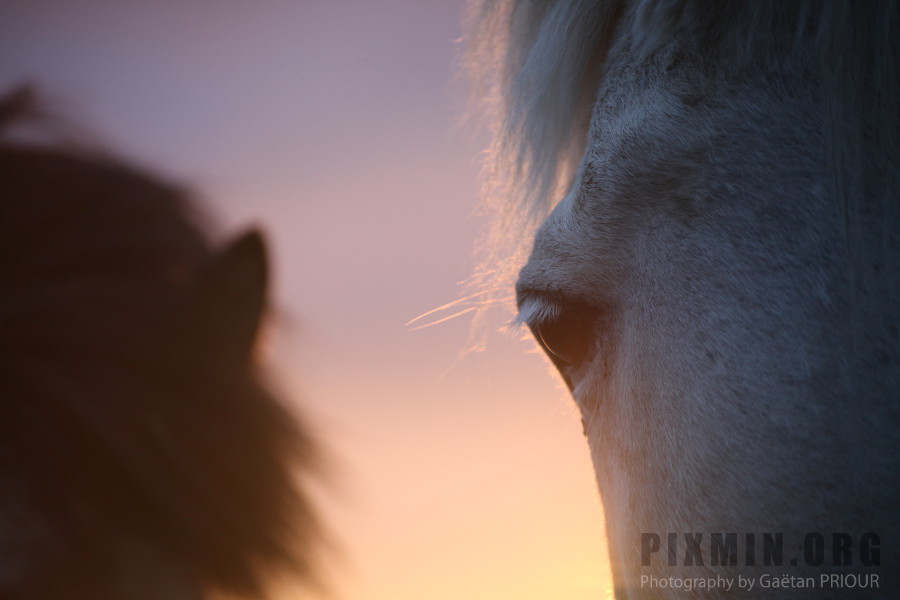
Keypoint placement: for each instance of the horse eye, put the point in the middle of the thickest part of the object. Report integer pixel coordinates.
(566, 338)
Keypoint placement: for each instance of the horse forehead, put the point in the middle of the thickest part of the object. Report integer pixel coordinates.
(640, 154)
(671, 150)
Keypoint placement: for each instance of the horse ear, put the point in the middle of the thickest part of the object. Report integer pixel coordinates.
(232, 291)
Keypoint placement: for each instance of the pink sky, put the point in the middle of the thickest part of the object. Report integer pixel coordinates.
(334, 127)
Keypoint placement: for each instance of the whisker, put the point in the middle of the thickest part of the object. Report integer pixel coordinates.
(444, 319)
(448, 305)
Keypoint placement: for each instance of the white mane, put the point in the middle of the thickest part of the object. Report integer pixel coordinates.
(534, 68)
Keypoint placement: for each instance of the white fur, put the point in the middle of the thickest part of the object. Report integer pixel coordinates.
(735, 226)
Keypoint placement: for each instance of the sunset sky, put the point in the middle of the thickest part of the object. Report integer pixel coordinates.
(335, 127)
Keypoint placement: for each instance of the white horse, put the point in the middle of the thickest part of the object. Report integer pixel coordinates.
(718, 282)
(142, 455)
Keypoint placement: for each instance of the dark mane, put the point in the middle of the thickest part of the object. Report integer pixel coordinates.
(139, 444)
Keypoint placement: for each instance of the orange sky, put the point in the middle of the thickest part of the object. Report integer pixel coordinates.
(334, 126)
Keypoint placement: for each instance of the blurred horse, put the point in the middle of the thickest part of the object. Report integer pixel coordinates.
(717, 275)
(141, 454)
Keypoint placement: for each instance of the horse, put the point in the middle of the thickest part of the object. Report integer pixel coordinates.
(711, 195)
(143, 452)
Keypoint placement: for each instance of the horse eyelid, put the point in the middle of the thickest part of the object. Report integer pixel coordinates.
(534, 312)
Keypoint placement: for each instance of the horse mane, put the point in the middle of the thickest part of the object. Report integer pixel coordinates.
(535, 66)
(139, 442)
(533, 69)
